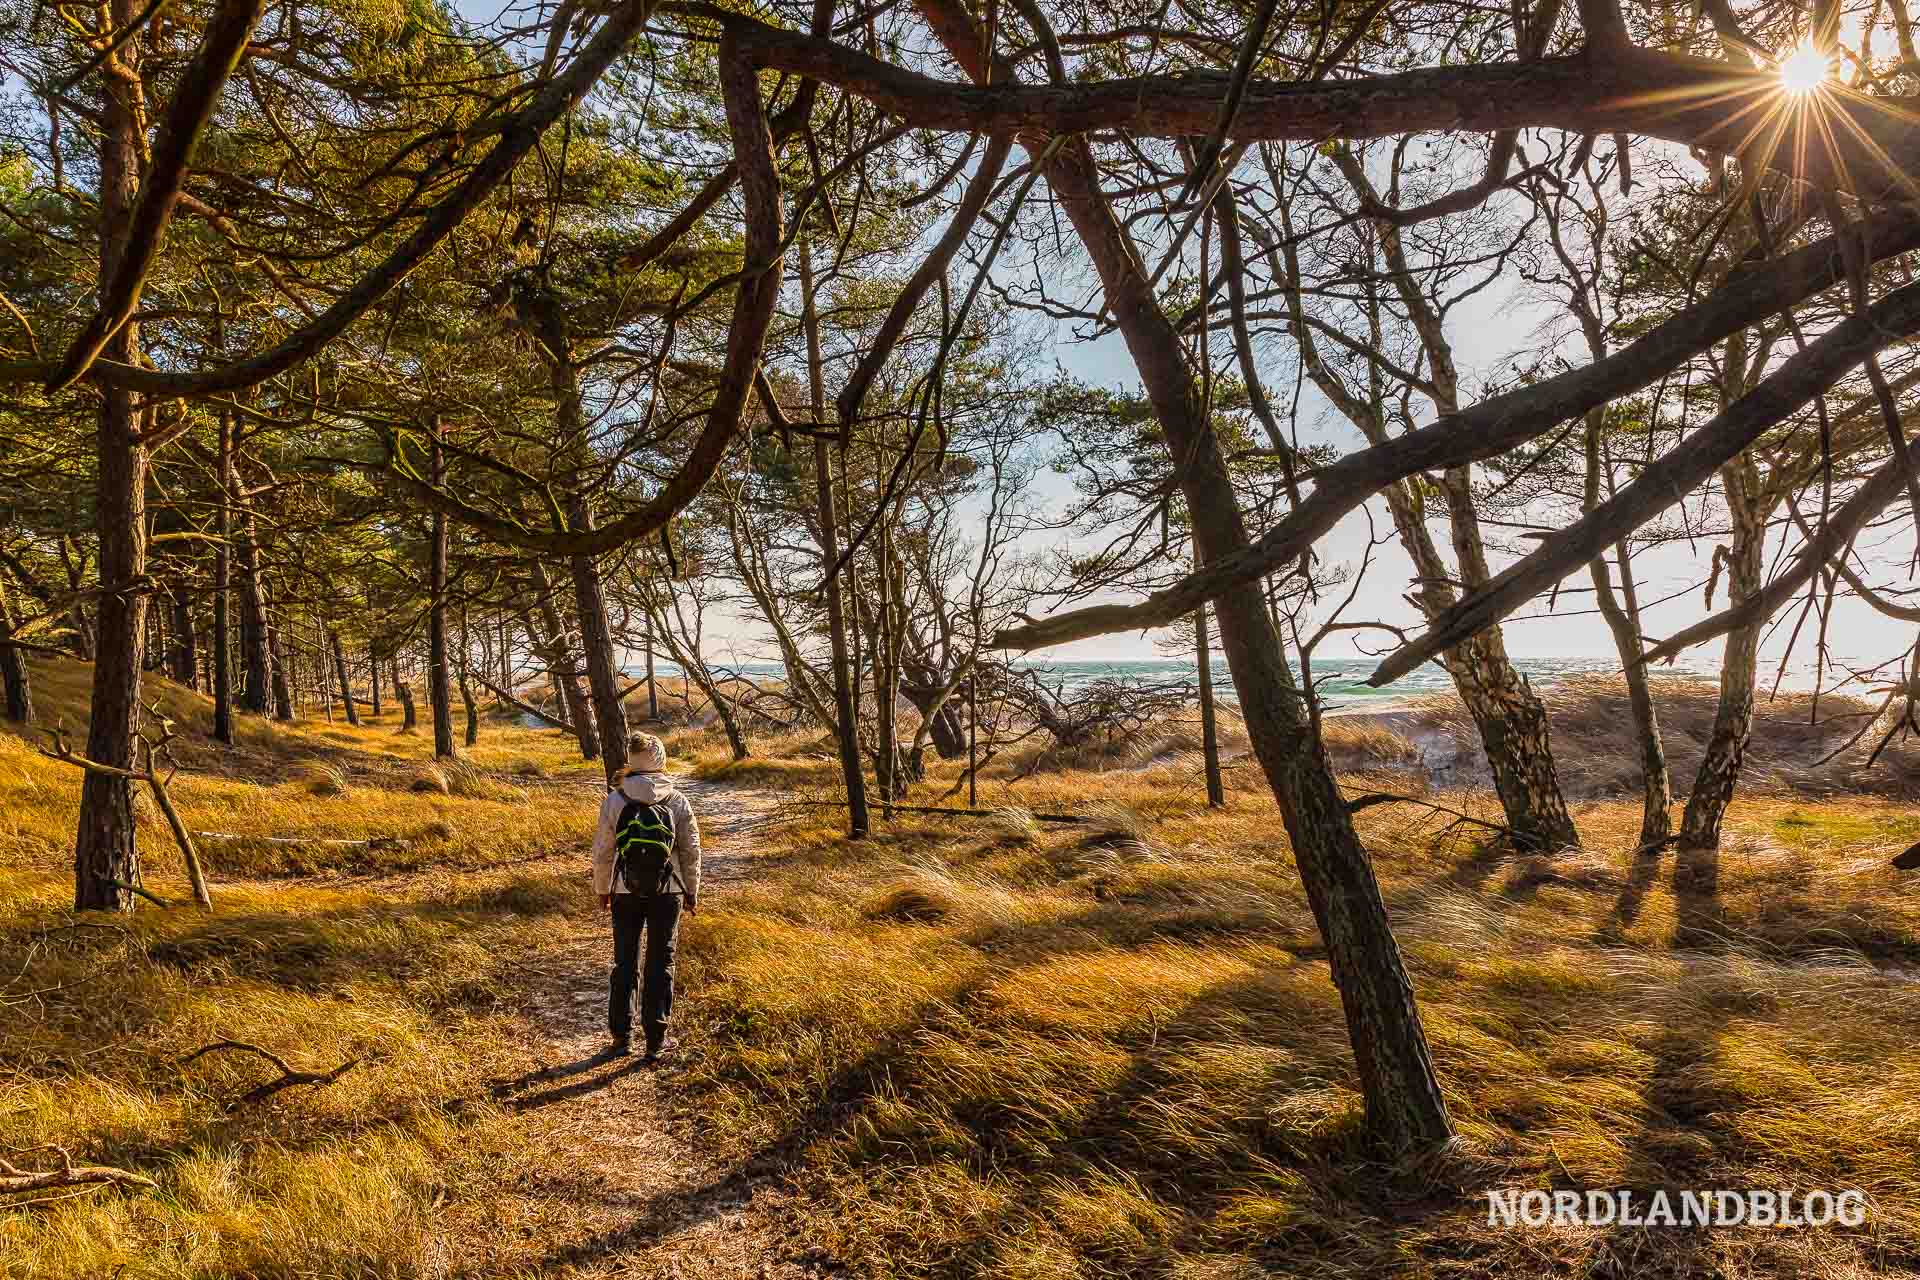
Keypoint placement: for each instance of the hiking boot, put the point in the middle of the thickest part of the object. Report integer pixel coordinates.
(619, 1047)
(656, 1042)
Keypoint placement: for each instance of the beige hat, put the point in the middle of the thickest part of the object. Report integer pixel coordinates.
(646, 753)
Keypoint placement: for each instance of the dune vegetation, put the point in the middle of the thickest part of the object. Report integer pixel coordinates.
(976, 1045)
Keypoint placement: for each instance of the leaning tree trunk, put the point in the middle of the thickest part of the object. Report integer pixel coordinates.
(106, 860)
(1404, 1105)
(439, 694)
(340, 674)
(17, 682)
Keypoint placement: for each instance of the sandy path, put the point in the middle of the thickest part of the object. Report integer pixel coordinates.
(606, 1136)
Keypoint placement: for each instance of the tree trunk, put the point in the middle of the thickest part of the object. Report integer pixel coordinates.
(222, 672)
(256, 689)
(340, 674)
(439, 693)
(105, 856)
(409, 715)
(558, 656)
(843, 691)
(373, 672)
(1209, 722)
(1719, 772)
(1513, 731)
(653, 688)
(596, 644)
(1405, 1108)
(186, 645)
(466, 684)
(1656, 820)
(18, 683)
(282, 677)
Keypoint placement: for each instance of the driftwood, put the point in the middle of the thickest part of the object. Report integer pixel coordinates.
(525, 708)
(14, 1179)
(1074, 818)
(288, 1079)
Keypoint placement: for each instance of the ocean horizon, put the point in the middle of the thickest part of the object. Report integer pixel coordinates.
(1341, 681)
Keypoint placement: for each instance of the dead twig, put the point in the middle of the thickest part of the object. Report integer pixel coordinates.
(288, 1079)
(14, 1180)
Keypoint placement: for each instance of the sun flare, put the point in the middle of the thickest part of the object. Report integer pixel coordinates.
(1803, 70)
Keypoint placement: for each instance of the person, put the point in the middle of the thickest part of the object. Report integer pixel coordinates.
(630, 827)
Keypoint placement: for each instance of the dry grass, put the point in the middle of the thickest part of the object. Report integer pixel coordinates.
(990, 1047)
(1063, 1052)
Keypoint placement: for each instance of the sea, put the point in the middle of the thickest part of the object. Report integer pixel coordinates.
(1342, 681)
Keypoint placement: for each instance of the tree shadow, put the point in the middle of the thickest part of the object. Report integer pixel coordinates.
(1632, 897)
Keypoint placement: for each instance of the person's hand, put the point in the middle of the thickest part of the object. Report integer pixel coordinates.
(606, 902)
(691, 903)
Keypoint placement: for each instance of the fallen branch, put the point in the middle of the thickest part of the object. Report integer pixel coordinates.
(289, 1078)
(525, 708)
(14, 1179)
(955, 813)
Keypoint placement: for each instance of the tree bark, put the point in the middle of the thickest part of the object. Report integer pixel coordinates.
(1623, 620)
(340, 674)
(186, 644)
(282, 676)
(14, 675)
(843, 691)
(439, 692)
(466, 684)
(1404, 1105)
(373, 673)
(1719, 772)
(1209, 722)
(105, 855)
(409, 714)
(558, 656)
(653, 688)
(596, 644)
(222, 672)
(256, 658)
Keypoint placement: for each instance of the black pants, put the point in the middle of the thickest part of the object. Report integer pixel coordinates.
(659, 916)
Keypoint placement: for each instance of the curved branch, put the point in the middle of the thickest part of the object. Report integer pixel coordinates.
(1486, 430)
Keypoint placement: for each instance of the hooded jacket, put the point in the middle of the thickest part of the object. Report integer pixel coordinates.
(653, 788)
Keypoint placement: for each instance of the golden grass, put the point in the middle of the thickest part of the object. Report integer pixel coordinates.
(987, 1047)
(1060, 1052)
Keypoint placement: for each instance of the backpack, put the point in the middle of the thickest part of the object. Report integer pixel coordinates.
(643, 848)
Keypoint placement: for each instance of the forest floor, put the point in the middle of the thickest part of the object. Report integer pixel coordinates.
(962, 1047)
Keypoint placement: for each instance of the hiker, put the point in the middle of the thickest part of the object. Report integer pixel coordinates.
(646, 869)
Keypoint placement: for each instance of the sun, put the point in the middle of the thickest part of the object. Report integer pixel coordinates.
(1803, 70)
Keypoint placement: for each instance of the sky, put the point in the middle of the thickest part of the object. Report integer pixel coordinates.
(1486, 331)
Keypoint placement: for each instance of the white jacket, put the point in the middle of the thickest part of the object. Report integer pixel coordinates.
(653, 788)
